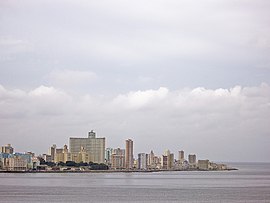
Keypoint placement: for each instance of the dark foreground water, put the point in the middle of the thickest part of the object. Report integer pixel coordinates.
(249, 184)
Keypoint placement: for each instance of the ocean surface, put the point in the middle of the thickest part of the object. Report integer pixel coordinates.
(251, 183)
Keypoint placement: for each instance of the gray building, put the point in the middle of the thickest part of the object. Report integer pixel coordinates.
(142, 161)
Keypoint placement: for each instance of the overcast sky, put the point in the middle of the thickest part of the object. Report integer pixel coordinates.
(175, 74)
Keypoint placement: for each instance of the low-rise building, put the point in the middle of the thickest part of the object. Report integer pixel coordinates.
(47, 158)
(203, 164)
(15, 163)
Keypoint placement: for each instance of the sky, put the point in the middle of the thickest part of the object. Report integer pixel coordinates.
(175, 74)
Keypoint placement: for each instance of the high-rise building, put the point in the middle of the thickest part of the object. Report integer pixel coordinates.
(164, 162)
(118, 159)
(52, 152)
(108, 153)
(129, 154)
(167, 160)
(181, 156)
(142, 161)
(151, 161)
(95, 147)
(170, 161)
(8, 149)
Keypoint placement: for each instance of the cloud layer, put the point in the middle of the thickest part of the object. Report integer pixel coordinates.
(220, 124)
(175, 43)
(121, 68)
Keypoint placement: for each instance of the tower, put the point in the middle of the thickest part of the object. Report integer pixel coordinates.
(91, 134)
(129, 154)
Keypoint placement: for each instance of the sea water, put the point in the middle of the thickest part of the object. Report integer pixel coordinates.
(251, 183)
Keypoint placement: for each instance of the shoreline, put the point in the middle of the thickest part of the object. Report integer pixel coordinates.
(115, 171)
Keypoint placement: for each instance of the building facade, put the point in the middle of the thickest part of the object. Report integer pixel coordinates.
(129, 159)
(95, 147)
(167, 160)
(8, 149)
(142, 161)
(118, 159)
(192, 160)
(181, 156)
(108, 154)
(52, 152)
(203, 164)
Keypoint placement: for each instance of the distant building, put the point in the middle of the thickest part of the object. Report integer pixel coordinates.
(82, 156)
(15, 163)
(95, 147)
(170, 161)
(35, 163)
(164, 162)
(157, 163)
(118, 159)
(61, 155)
(192, 160)
(181, 156)
(52, 152)
(47, 158)
(167, 160)
(3, 157)
(142, 161)
(7, 149)
(27, 156)
(203, 164)
(108, 153)
(129, 159)
(151, 160)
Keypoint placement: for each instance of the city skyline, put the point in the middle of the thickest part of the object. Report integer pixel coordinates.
(78, 144)
(88, 154)
(168, 74)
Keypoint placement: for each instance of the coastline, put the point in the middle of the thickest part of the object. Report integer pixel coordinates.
(112, 171)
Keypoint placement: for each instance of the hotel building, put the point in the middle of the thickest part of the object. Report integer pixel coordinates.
(94, 147)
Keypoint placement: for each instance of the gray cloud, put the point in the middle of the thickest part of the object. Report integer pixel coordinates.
(170, 74)
(227, 122)
(177, 43)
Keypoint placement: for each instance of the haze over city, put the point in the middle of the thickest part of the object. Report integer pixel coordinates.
(178, 75)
